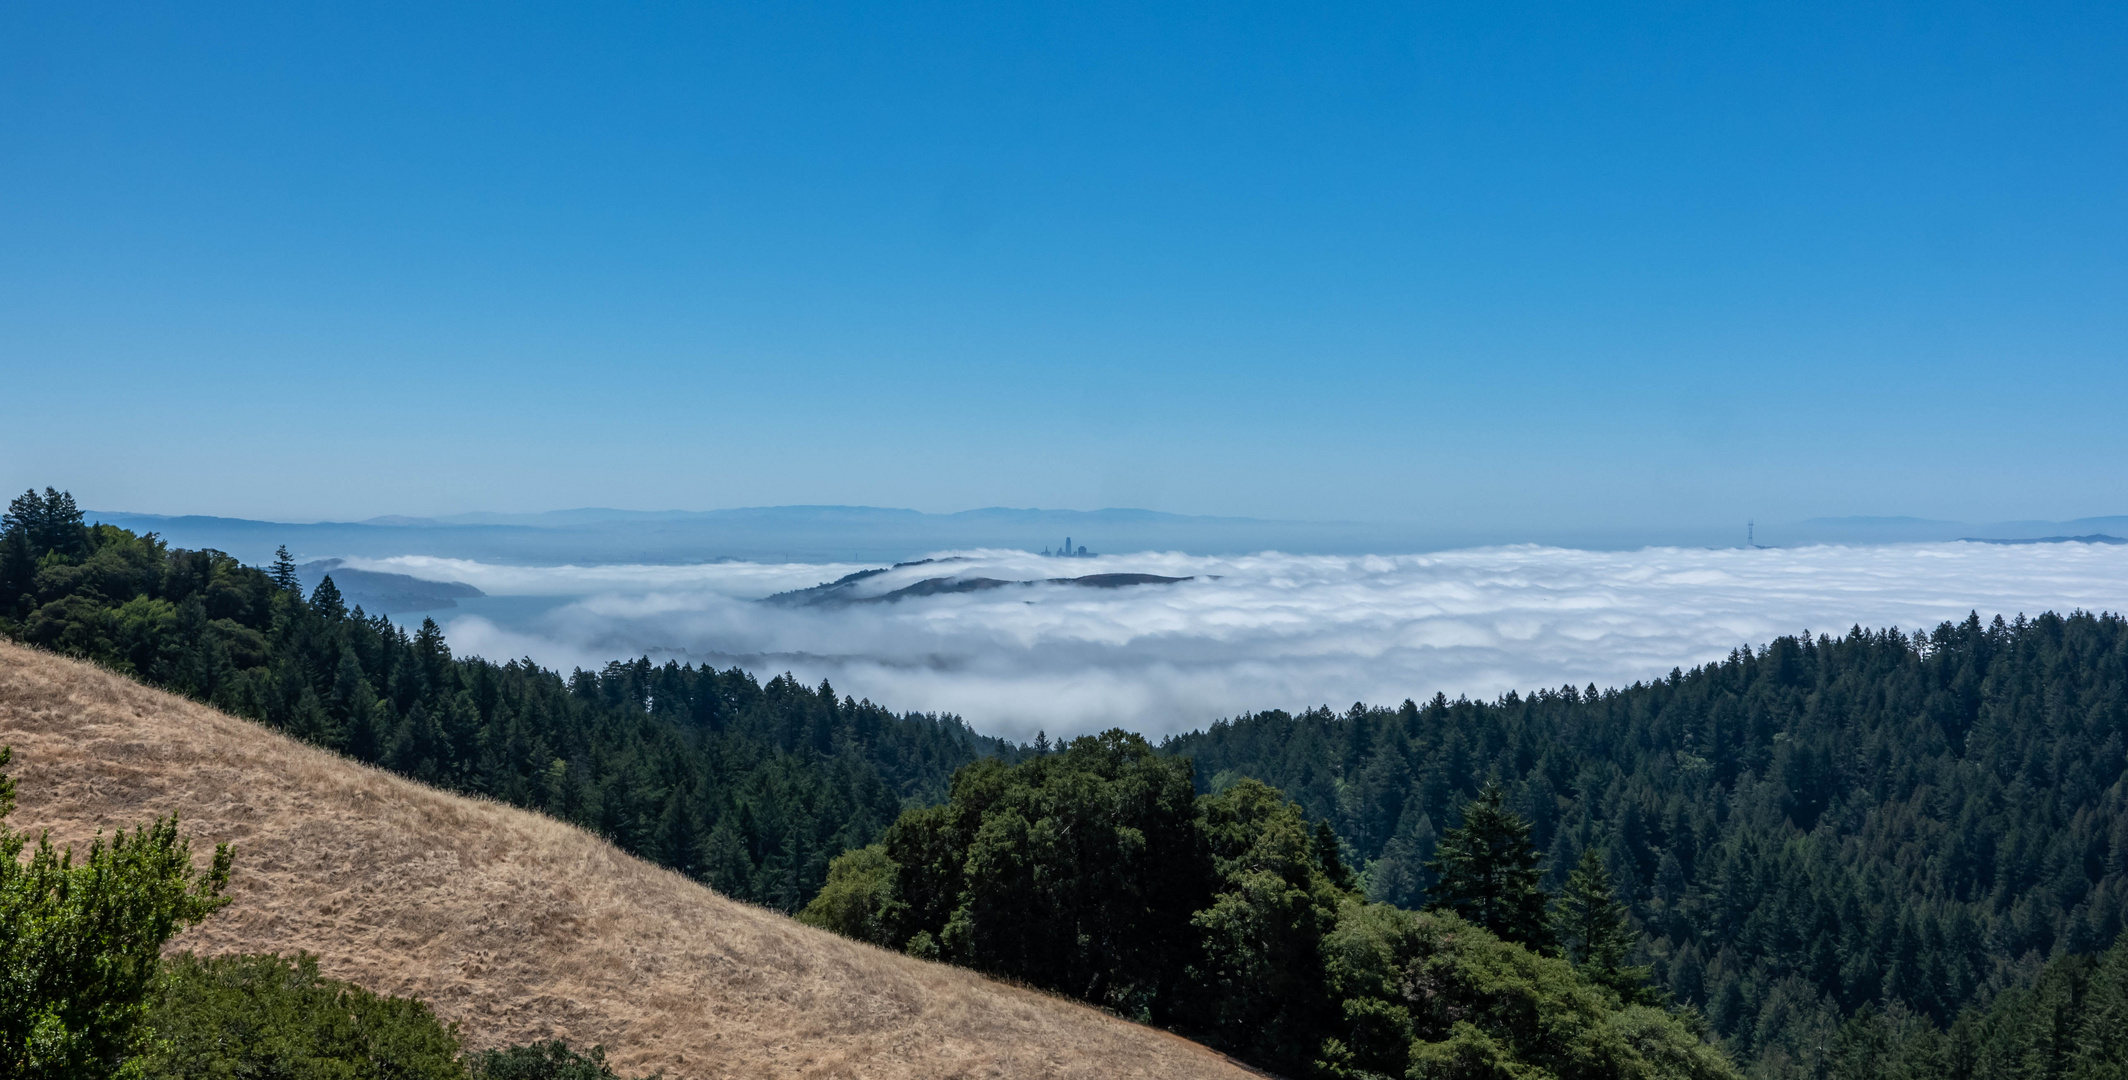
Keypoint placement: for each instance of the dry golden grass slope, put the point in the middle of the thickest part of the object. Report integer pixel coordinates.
(514, 925)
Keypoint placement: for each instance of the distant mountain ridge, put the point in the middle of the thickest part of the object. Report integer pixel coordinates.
(1893, 530)
(596, 515)
(2094, 538)
(768, 534)
(873, 534)
(384, 593)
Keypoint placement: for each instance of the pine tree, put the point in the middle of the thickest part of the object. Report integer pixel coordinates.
(2101, 1052)
(284, 570)
(1399, 877)
(1592, 927)
(1487, 872)
(18, 570)
(46, 523)
(327, 601)
(63, 528)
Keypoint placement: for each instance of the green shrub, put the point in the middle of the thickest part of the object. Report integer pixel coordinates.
(551, 1060)
(1426, 994)
(78, 942)
(275, 1017)
(861, 898)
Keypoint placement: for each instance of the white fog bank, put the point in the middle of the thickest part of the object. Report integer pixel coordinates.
(1256, 632)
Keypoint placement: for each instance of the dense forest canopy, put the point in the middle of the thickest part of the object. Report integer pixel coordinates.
(2069, 1023)
(1827, 847)
(1878, 819)
(1098, 872)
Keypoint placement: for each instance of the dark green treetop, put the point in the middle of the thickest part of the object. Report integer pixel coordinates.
(1426, 995)
(2068, 1021)
(1876, 816)
(283, 572)
(1076, 871)
(1487, 872)
(1229, 918)
(48, 523)
(1257, 988)
(1593, 929)
(327, 601)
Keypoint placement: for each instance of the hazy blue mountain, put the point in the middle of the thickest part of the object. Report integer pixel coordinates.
(778, 533)
(2093, 538)
(387, 594)
(888, 535)
(1907, 530)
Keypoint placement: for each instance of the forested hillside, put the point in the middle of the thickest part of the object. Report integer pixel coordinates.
(2070, 1023)
(1837, 850)
(750, 787)
(1097, 871)
(1882, 820)
(514, 927)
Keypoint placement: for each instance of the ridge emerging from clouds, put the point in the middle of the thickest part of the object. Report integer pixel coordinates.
(1252, 632)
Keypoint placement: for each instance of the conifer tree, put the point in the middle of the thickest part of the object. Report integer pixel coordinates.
(44, 524)
(1591, 926)
(18, 569)
(2101, 1050)
(1487, 872)
(327, 601)
(284, 570)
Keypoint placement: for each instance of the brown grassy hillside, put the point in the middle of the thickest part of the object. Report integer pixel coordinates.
(516, 926)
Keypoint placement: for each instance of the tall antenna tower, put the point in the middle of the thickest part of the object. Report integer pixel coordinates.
(1751, 533)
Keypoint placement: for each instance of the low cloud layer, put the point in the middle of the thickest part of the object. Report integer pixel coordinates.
(1255, 632)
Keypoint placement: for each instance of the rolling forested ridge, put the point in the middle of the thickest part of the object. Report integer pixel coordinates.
(1877, 821)
(1881, 853)
(750, 787)
(1098, 871)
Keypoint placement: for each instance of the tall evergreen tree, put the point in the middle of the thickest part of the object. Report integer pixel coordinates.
(18, 568)
(284, 570)
(1487, 872)
(47, 523)
(1593, 930)
(327, 601)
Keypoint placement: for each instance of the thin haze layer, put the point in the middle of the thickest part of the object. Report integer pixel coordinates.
(1256, 632)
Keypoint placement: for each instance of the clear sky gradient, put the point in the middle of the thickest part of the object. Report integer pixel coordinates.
(1509, 265)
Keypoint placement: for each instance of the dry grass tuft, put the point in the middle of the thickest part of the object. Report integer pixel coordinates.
(516, 926)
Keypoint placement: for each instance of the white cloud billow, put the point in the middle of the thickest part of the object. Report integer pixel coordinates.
(1262, 631)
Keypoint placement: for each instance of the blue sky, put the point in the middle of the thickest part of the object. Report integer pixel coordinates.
(1511, 267)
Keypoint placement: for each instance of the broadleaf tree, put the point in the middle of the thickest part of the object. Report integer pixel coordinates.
(79, 942)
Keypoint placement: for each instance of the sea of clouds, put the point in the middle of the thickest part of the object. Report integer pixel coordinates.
(1254, 632)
